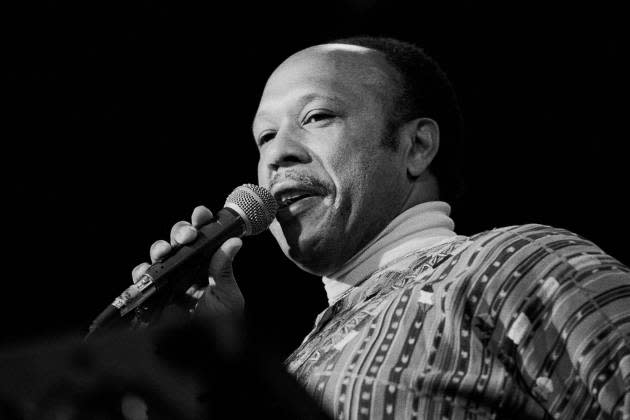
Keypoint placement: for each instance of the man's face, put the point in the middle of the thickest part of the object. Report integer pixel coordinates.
(319, 128)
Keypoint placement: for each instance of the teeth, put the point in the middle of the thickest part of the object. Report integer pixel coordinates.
(288, 199)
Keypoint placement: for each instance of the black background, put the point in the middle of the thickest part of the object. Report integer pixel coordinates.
(123, 116)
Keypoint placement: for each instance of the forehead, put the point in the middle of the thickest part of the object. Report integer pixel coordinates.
(346, 72)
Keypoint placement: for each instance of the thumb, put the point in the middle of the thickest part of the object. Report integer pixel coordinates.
(221, 262)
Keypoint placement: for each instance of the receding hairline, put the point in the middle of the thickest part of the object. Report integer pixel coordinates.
(381, 77)
(335, 46)
(379, 58)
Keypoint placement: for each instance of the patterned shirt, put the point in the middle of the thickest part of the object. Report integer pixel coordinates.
(523, 322)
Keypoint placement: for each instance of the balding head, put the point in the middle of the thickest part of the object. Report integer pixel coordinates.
(333, 62)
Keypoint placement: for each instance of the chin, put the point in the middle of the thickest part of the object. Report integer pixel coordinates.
(311, 264)
(313, 255)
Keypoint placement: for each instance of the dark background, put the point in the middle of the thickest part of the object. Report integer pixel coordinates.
(123, 116)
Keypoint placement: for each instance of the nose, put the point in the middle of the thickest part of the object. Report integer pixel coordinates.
(285, 150)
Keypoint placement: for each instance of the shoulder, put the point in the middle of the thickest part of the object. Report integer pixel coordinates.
(505, 258)
(532, 232)
(518, 248)
(522, 240)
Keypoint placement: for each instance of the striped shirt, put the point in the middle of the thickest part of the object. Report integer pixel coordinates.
(523, 322)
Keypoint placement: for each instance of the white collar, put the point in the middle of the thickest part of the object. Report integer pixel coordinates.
(420, 227)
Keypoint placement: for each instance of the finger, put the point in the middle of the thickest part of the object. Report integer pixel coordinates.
(201, 216)
(221, 262)
(139, 270)
(182, 233)
(159, 250)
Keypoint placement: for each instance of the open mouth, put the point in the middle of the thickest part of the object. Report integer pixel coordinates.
(286, 198)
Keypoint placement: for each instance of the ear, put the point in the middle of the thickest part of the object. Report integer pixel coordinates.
(422, 140)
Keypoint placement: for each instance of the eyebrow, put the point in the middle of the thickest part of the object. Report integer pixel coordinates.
(304, 100)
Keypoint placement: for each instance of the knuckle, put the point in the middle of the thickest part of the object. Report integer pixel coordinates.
(202, 209)
(159, 249)
(157, 244)
(138, 271)
(184, 234)
(201, 215)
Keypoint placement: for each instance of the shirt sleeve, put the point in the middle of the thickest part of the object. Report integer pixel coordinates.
(564, 325)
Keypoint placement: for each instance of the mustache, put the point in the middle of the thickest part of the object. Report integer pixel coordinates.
(300, 177)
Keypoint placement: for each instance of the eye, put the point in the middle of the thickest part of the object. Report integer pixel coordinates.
(265, 137)
(317, 116)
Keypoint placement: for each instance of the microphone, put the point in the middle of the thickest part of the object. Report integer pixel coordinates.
(248, 210)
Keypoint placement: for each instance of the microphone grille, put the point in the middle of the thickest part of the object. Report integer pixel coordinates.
(257, 205)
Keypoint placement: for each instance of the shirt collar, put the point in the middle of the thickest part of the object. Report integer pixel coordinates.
(420, 227)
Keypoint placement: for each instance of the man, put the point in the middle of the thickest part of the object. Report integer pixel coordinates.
(519, 322)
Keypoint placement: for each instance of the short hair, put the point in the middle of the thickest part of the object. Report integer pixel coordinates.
(427, 92)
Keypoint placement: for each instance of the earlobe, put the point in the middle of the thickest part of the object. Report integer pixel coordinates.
(423, 144)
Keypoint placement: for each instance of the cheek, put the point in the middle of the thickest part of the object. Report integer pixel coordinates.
(351, 162)
(262, 177)
(335, 164)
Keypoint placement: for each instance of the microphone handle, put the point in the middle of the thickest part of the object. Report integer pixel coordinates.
(175, 272)
(226, 224)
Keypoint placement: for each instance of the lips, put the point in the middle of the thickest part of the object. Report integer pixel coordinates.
(288, 194)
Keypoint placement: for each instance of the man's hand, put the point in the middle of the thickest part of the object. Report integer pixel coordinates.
(222, 298)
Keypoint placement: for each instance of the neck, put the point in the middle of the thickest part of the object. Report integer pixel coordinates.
(421, 226)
